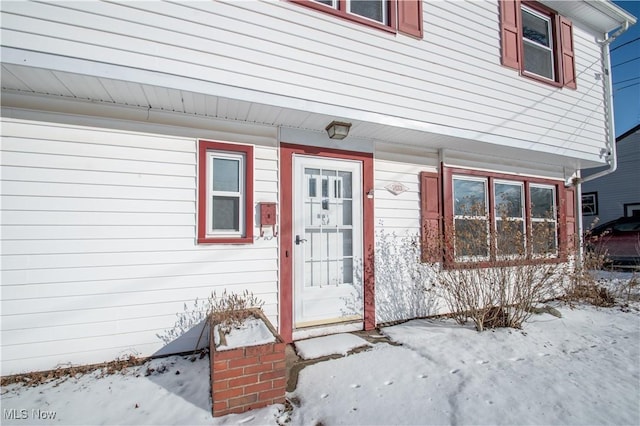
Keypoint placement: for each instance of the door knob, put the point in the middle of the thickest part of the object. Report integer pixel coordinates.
(299, 240)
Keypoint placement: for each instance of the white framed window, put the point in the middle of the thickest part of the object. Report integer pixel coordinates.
(538, 43)
(590, 204)
(471, 217)
(225, 193)
(376, 10)
(544, 220)
(225, 189)
(496, 218)
(509, 212)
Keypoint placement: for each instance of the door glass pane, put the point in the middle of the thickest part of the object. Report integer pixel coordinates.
(345, 177)
(225, 213)
(372, 9)
(345, 212)
(347, 271)
(325, 186)
(311, 177)
(226, 175)
(346, 238)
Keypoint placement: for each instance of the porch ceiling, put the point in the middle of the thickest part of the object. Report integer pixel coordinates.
(21, 82)
(64, 85)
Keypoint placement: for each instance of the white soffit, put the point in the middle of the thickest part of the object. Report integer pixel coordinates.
(602, 15)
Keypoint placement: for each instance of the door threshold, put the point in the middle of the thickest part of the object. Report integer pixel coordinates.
(324, 330)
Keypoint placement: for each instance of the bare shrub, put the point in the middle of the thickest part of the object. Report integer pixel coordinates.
(190, 317)
(630, 290)
(404, 286)
(495, 277)
(583, 284)
(230, 310)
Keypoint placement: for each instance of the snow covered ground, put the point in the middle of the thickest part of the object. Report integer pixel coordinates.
(583, 368)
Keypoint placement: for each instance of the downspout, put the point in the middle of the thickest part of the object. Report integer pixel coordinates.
(612, 157)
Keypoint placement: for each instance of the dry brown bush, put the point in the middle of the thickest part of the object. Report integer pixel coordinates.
(229, 310)
(495, 279)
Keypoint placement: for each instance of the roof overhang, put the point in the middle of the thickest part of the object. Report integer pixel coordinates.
(602, 16)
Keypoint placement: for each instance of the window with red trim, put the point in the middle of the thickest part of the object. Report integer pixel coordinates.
(225, 193)
(403, 16)
(538, 42)
(493, 218)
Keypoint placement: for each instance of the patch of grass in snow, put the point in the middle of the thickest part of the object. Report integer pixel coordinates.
(61, 374)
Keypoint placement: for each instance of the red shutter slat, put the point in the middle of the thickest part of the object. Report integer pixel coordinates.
(510, 32)
(431, 214)
(566, 48)
(410, 17)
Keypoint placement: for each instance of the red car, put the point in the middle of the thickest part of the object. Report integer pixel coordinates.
(619, 239)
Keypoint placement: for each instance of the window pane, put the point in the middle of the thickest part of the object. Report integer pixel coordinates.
(226, 175)
(510, 237)
(346, 184)
(542, 203)
(508, 200)
(544, 237)
(225, 213)
(327, 2)
(312, 181)
(347, 271)
(589, 204)
(469, 197)
(535, 28)
(471, 238)
(538, 60)
(372, 9)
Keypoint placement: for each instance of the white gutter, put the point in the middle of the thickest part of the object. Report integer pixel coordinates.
(612, 157)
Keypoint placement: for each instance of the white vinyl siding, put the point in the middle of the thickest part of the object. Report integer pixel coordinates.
(399, 292)
(98, 243)
(448, 78)
(397, 213)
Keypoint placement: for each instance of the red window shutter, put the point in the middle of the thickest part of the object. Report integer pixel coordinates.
(566, 49)
(410, 17)
(569, 210)
(431, 214)
(510, 32)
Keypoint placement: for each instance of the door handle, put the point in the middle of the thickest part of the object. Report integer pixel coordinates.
(299, 240)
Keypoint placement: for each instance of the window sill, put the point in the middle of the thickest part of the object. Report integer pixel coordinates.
(452, 264)
(348, 16)
(541, 79)
(225, 240)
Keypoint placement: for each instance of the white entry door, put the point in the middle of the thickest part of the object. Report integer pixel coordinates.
(327, 241)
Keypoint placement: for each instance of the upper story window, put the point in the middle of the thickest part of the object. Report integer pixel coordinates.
(538, 42)
(403, 16)
(537, 39)
(376, 10)
(225, 193)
